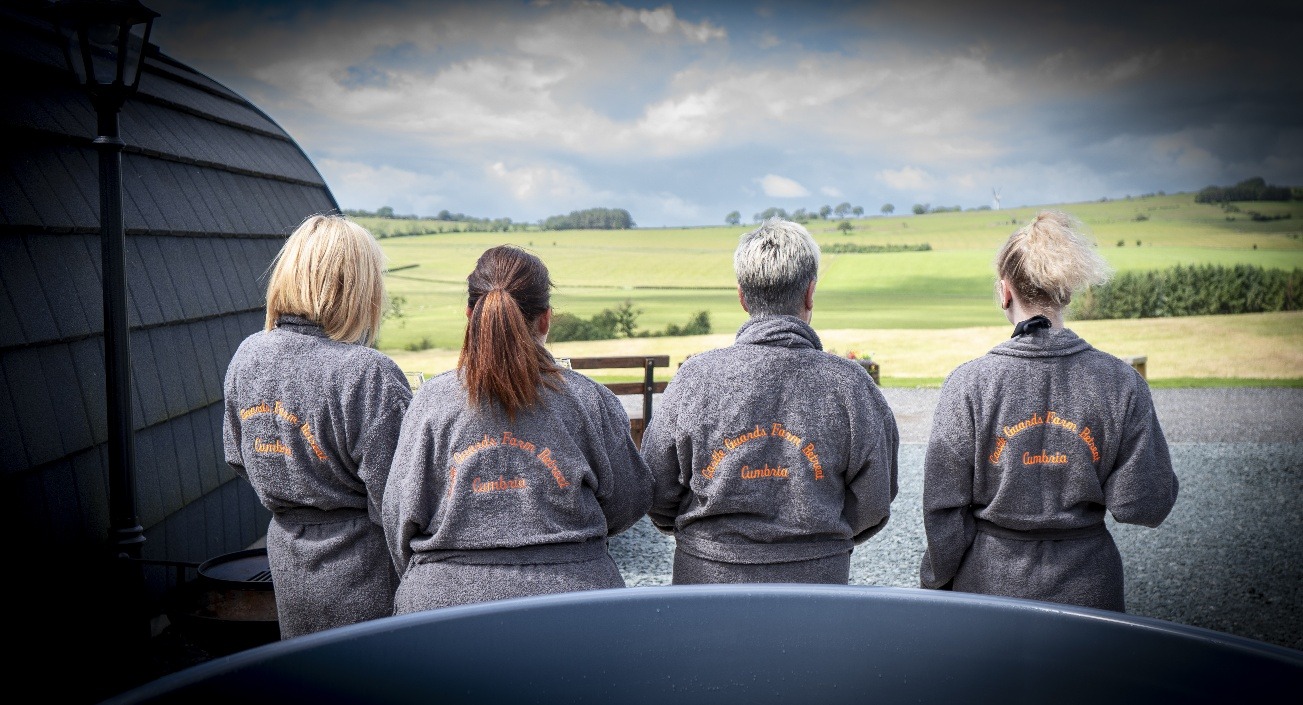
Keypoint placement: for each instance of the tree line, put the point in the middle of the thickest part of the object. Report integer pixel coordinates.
(591, 219)
(619, 322)
(465, 223)
(1198, 290)
(1254, 189)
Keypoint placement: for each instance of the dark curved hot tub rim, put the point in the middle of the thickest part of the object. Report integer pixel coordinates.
(759, 643)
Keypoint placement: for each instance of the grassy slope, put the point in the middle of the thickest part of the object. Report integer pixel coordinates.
(1262, 346)
(919, 313)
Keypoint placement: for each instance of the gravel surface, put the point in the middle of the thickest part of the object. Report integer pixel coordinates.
(1229, 557)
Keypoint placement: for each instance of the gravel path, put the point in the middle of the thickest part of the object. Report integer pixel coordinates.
(1228, 558)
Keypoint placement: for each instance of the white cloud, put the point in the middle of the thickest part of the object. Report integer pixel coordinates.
(535, 183)
(359, 185)
(673, 125)
(907, 178)
(782, 187)
(662, 20)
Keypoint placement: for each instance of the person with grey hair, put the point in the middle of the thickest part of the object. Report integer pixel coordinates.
(1032, 442)
(772, 458)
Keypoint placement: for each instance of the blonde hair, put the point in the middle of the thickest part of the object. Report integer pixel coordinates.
(330, 271)
(1050, 259)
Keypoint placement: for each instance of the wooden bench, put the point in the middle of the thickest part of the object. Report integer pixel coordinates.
(1139, 363)
(647, 387)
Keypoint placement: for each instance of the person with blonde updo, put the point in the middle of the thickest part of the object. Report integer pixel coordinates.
(1034, 441)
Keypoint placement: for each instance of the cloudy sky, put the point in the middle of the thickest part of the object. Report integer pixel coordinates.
(683, 112)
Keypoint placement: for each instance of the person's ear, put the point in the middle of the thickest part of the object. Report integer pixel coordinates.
(544, 323)
(468, 311)
(742, 299)
(1006, 295)
(809, 296)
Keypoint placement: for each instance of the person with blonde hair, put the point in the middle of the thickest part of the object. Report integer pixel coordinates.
(511, 471)
(1034, 441)
(312, 415)
(773, 459)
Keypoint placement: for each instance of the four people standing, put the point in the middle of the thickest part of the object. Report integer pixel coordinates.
(768, 460)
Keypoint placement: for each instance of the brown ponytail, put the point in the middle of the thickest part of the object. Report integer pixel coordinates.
(501, 358)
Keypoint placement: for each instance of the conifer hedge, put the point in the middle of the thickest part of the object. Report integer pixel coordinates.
(1198, 290)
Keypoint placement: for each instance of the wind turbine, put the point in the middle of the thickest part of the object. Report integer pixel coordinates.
(995, 193)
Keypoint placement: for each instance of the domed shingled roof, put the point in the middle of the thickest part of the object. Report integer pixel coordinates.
(212, 188)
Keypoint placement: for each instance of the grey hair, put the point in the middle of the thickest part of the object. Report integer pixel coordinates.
(774, 264)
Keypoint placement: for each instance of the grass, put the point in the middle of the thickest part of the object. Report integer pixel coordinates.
(919, 313)
(1244, 349)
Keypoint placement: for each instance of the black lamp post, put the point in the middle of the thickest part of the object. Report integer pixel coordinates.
(104, 52)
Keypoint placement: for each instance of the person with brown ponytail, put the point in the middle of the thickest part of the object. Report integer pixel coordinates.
(1033, 442)
(511, 471)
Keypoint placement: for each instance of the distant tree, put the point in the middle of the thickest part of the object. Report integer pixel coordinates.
(845, 226)
(888, 209)
(444, 215)
(1254, 189)
(842, 209)
(384, 212)
(825, 211)
(591, 219)
(921, 208)
(626, 318)
(733, 218)
(396, 311)
(800, 215)
(568, 326)
(770, 212)
(857, 211)
(698, 324)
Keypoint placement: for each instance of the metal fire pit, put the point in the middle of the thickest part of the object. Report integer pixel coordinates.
(242, 570)
(232, 606)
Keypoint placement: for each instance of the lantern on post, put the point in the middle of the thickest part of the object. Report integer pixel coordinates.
(103, 49)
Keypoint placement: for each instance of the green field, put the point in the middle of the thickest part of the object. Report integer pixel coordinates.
(671, 273)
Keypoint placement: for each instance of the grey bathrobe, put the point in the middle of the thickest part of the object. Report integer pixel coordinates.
(480, 508)
(1030, 444)
(772, 459)
(311, 423)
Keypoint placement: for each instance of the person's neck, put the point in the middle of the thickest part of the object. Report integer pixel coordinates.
(1018, 313)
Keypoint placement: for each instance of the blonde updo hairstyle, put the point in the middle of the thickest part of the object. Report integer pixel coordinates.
(330, 271)
(1048, 260)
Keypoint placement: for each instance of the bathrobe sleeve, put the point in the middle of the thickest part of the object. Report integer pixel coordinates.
(948, 488)
(1142, 488)
(671, 466)
(872, 484)
(624, 482)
